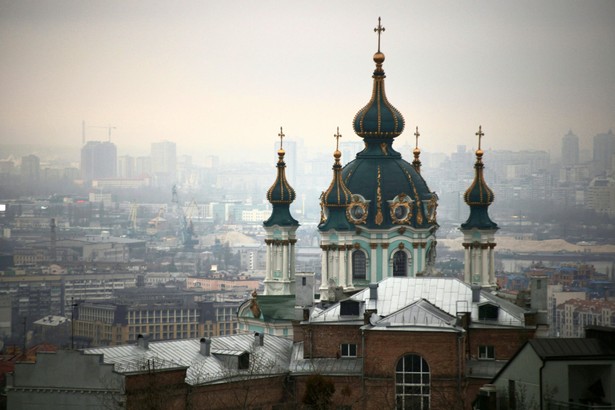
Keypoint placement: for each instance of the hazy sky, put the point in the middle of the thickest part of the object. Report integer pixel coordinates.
(220, 75)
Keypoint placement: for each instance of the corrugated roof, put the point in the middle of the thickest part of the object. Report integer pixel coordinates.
(271, 358)
(571, 348)
(447, 294)
(328, 366)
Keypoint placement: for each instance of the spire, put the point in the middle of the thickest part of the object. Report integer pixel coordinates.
(378, 119)
(479, 196)
(336, 198)
(417, 152)
(281, 194)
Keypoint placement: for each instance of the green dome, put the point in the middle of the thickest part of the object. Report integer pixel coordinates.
(384, 180)
(378, 119)
(335, 200)
(478, 197)
(281, 195)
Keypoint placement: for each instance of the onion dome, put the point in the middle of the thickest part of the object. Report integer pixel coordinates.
(281, 194)
(479, 196)
(378, 119)
(387, 191)
(335, 200)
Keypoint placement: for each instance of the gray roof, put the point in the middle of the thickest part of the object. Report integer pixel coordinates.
(271, 358)
(450, 295)
(325, 365)
(571, 348)
(420, 314)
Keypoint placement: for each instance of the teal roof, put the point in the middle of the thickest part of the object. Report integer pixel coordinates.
(378, 119)
(336, 199)
(281, 195)
(478, 197)
(380, 174)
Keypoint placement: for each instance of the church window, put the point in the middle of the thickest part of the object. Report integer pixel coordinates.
(400, 264)
(412, 383)
(359, 265)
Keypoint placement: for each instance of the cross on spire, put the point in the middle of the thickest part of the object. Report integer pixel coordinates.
(379, 30)
(281, 135)
(337, 136)
(417, 135)
(480, 134)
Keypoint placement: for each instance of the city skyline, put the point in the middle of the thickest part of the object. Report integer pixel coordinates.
(203, 73)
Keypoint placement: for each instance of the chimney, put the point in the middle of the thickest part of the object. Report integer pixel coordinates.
(476, 293)
(259, 339)
(142, 342)
(205, 346)
(373, 291)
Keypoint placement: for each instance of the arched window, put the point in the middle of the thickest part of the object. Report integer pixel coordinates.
(359, 265)
(400, 264)
(412, 383)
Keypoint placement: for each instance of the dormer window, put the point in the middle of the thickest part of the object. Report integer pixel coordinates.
(349, 308)
(488, 311)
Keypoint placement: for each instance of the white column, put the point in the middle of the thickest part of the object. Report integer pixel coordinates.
(492, 265)
(415, 259)
(486, 278)
(285, 262)
(292, 261)
(373, 265)
(467, 270)
(324, 276)
(476, 267)
(350, 278)
(268, 270)
(342, 270)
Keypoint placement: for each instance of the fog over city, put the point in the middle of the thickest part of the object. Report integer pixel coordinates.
(222, 77)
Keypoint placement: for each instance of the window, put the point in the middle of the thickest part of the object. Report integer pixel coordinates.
(348, 350)
(486, 352)
(488, 312)
(400, 264)
(412, 383)
(359, 265)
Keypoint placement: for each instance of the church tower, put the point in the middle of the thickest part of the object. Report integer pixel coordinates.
(379, 216)
(280, 231)
(479, 230)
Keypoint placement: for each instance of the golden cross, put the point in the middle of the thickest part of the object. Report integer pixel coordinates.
(379, 30)
(337, 136)
(281, 135)
(480, 134)
(417, 135)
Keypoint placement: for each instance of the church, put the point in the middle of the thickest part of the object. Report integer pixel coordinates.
(380, 330)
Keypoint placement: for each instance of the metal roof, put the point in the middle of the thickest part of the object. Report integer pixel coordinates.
(450, 295)
(420, 313)
(571, 348)
(271, 358)
(324, 365)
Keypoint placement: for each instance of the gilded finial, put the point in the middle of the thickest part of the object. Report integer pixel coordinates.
(337, 136)
(417, 135)
(379, 30)
(281, 135)
(480, 134)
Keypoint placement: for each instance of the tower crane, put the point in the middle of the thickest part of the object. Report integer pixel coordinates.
(186, 229)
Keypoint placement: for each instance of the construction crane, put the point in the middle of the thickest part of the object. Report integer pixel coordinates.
(132, 229)
(186, 229)
(108, 128)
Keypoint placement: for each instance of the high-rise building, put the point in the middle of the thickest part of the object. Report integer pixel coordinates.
(570, 149)
(98, 160)
(30, 168)
(126, 166)
(164, 161)
(604, 149)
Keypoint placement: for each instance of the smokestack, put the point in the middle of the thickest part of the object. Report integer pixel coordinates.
(373, 291)
(205, 346)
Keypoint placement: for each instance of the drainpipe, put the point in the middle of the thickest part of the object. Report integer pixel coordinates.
(459, 361)
(540, 384)
(363, 367)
